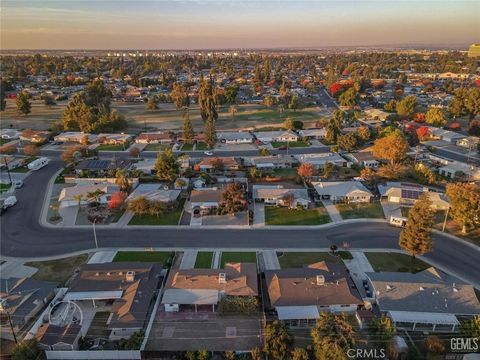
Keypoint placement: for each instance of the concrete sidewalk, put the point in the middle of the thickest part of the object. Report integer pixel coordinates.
(332, 211)
(391, 210)
(124, 219)
(216, 259)
(188, 259)
(16, 269)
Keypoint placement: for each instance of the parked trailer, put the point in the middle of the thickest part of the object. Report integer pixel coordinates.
(398, 221)
(38, 164)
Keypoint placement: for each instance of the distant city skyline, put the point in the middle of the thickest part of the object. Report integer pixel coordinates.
(206, 24)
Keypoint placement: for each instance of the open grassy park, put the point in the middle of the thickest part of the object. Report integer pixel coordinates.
(166, 117)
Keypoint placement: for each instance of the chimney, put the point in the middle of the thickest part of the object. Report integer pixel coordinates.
(130, 277)
(222, 278)
(320, 280)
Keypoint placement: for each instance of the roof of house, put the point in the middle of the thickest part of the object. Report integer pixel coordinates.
(149, 136)
(339, 188)
(298, 287)
(70, 193)
(313, 132)
(275, 134)
(21, 295)
(50, 335)
(272, 192)
(103, 164)
(362, 156)
(211, 161)
(320, 158)
(272, 159)
(154, 192)
(206, 195)
(427, 291)
(109, 281)
(231, 135)
(240, 280)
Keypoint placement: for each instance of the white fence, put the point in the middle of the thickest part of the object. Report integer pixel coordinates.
(104, 354)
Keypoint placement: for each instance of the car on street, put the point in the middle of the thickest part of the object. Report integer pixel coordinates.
(208, 153)
(7, 203)
(282, 148)
(17, 184)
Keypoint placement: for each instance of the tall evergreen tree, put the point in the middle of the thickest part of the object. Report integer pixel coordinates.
(210, 132)
(416, 237)
(167, 166)
(206, 100)
(187, 128)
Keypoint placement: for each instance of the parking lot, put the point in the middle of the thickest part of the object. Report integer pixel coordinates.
(193, 331)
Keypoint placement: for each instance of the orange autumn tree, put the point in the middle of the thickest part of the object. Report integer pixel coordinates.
(117, 200)
(423, 132)
(305, 170)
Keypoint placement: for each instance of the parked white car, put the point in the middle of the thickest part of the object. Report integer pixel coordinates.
(39, 163)
(208, 153)
(8, 202)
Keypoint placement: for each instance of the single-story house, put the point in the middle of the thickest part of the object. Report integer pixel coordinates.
(24, 299)
(300, 295)
(154, 138)
(376, 114)
(126, 289)
(203, 289)
(209, 164)
(75, 136)
(54, 337)
(364, 158)
(469, 142)
(114, 138)
(343, 191)
(146, 166)
(206, 198)
(239, 137)
(318, 161)
(36, 136)
(273, 136)
(69, 196)
(445, 135)
(313, 133)
(456, 169)
(278, 195)
(99, 167)
(272, 162)
(408, 194)
(427, 300)
(154, 192)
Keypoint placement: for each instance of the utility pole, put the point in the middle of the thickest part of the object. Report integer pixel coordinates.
(95, 233)
(445, 221)
(8, 170)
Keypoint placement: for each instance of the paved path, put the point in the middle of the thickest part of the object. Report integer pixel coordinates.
(332, 211)
(188, 259)
(69, 215)
(358, 266)
(259, 214)
(15, 268)
(124, 219)
(101, 257)
(270, 260)
(391, 210)
(216, 259)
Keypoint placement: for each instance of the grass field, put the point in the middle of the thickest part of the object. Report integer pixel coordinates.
(360, 210)
(169, 218)
(187, 147)
(204, 260)
(291, 144)
(57, 270)
(395, 262)
(201, 146)
(285, 173)
(285, 216)
(111, 147)
(163, 257)
(301, 259)
(233, 257)
(166, 117)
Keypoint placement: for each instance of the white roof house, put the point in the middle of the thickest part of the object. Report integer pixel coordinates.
(239, 137)
(445, 135)
(319, 160)
(154, 192)
(271, 136)
(313, 133)
(458, 169)
(278, 195)
(75, 136)
(271, 162)
(146, 166)
(470, 141)
(68, 196)
(350, 191)
(408, 193)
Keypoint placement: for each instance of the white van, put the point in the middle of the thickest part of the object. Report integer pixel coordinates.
(398, 221)
(38, 164)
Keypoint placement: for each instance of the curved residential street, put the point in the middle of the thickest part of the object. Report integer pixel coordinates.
(22, 235)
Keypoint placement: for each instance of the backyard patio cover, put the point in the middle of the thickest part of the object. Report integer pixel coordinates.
(423, 318)
(190, 297)
(297, 312)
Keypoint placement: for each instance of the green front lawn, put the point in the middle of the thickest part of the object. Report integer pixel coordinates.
(4, 187)
(201, 146)
(291, 144)
(111, 147)
(169, 218)
(361, 210)
(405, 211)
(204, 260)
(234, 257)
(163, 257)
(301, 259)
(395, 262)
(20, 169)
(4, 141)
(156, 147)
(285, 216)
(187, 147)
(285, 173)
(59, 270)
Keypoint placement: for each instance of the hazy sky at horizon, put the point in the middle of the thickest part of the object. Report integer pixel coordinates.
(186, 24)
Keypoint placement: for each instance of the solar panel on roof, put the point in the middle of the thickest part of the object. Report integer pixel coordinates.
(411, 194)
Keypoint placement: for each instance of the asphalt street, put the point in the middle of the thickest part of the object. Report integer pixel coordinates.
(23, 236)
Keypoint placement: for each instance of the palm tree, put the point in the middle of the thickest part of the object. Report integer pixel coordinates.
(122, 180)
(94, 197)
(78, 198)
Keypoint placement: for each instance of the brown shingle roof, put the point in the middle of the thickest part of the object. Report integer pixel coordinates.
(290, 287)
(206, 195)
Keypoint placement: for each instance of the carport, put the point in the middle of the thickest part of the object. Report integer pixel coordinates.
(298, 316)
(432, 319)
(193, 297)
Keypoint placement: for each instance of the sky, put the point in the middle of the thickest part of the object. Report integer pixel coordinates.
(231, 24)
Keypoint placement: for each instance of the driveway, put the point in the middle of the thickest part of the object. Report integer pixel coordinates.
(358, 266)
(332, 211)
(391, 210)
(258, 214)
